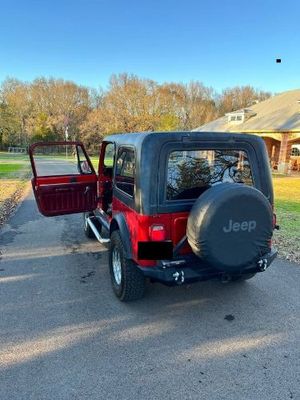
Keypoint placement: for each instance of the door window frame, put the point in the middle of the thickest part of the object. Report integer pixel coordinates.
(101, 166)
(71, 143)
(119, 150)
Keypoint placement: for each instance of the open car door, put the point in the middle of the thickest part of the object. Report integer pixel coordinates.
(64, 180)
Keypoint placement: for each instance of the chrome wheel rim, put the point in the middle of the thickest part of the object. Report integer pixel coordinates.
(116, 264)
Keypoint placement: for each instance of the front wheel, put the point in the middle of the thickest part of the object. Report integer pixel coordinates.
(128, 282)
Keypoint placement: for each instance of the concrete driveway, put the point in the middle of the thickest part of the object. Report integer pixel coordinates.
(65, 336)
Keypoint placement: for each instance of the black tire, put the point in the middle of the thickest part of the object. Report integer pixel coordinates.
(130, 284)
(87, 229)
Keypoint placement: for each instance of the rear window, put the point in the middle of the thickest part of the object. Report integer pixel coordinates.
(191, 172)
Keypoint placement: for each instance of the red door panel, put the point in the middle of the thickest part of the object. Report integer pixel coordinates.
(64, 194)
(59, 199)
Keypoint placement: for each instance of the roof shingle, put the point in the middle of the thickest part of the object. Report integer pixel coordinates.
(280, 113)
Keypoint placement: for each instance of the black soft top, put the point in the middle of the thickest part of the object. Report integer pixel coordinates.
(139, 139)
(151, 149)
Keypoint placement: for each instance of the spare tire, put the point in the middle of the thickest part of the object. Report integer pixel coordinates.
(230, 226)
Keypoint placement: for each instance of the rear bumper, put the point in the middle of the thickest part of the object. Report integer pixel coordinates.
(187, 269)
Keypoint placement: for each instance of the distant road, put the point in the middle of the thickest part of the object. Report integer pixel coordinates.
(64, 335)
(50, 166)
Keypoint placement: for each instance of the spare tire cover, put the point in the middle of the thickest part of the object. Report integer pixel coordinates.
(230, 226)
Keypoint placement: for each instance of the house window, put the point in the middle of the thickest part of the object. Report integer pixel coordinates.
(295, 152)
(236, 118)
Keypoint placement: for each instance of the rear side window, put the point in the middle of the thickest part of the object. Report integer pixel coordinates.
(191, 172)
(125, 170)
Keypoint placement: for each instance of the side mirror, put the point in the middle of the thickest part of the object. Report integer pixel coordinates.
(84, 168)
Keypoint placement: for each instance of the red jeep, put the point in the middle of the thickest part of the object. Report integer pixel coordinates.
(176, 207)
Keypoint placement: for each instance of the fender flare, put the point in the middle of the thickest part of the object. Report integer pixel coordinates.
(119, 223)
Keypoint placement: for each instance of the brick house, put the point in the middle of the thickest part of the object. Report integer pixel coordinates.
(276, 120)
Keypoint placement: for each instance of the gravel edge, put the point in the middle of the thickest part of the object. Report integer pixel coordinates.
(11, 204)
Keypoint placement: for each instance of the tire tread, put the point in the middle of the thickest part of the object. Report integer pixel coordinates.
(133, 287)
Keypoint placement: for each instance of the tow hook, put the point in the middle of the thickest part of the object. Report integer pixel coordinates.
(179, 277)
(262, 264)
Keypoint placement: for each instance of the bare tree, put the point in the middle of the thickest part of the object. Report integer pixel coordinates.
(238, 97)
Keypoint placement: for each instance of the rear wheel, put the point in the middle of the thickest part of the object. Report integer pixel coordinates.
(128, 282)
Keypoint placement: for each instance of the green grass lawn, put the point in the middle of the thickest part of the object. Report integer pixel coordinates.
(13, 157)
(287, 209)
(9, 169)
(14, 175)
(95, 161)
(13, 165)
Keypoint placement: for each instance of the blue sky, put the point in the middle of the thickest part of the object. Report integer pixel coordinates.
(221, 43)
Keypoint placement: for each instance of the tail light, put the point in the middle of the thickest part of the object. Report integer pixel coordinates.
(157, 233)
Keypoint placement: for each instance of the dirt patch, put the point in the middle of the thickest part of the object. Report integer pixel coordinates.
(288, 246)
(11, 193)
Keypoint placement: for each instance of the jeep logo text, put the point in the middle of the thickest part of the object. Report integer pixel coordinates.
(239, 226)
